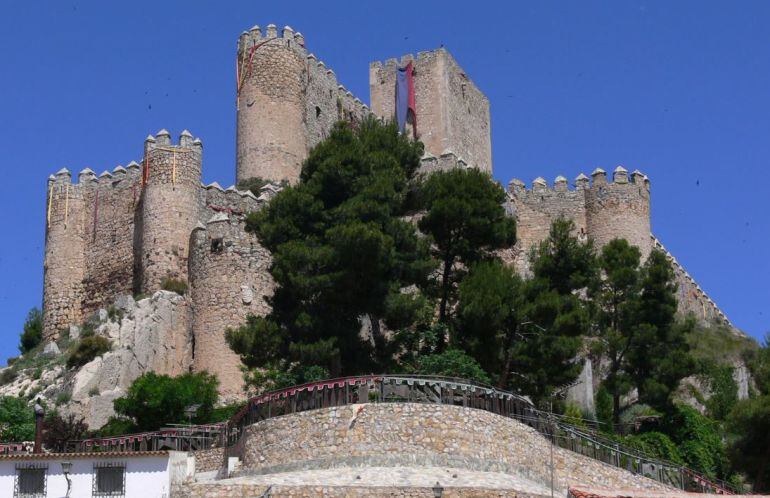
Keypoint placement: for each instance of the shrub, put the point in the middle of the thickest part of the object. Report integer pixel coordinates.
(17, 420)
(174, 285)
(62, 398)
(573, 415)
(154, 400)
(57, 430)
(452, 363)
(33, 331)
(94, 391)
(8, 376)
(88, 349)
(224, 413)
(114, 314)
(37, 373)
(116, 426)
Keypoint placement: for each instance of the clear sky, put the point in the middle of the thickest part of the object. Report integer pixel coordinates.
(679, 90)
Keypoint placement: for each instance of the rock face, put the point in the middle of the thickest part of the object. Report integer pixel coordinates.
(152, 335)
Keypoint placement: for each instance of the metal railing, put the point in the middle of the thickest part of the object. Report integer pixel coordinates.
(399, 389)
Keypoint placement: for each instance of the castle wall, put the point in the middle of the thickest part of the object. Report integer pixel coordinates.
(601, 211)
(452, 114)
(110, 206)
(538, 208)
(229, 281)
(691, 299)
(619, 210)
(287, 103)
(170, 207)
(64, 263)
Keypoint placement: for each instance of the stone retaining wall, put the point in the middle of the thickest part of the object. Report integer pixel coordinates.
(208, 460)
(215, 490)
(411, 434)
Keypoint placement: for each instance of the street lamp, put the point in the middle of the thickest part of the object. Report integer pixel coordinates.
(66, 468)
(438, 491)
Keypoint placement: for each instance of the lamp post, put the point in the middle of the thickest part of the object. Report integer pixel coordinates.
(438, 491)
(66, 468)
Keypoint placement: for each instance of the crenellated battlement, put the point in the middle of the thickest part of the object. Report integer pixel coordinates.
(691, 298)
(598, 181)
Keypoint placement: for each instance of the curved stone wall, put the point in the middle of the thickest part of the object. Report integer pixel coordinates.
(407, 434)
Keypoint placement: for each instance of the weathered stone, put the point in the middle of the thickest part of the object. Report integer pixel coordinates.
(51, 349)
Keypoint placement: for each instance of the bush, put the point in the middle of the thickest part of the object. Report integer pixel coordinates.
(699, 441)
(17, 420)
(57, 430)
(116, 426)
(88, 349)
(253, 184)
(33, 331)
(174, 285)
(654, 444)
(63, 398)
(224, 413)
(8, 376)
(451, 363)
(155, 400)
(573, 415)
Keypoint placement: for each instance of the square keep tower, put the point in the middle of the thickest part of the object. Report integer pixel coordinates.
(451, 112)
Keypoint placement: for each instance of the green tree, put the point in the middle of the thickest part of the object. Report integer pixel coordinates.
(749, 428)
(699, 440)
(556, 315)
(617, 301)
(466, 221)
(33, 331)
(748, 424)
(491, 310)
(342, 250)
(153, 400)
(660, 358)
(17, 420)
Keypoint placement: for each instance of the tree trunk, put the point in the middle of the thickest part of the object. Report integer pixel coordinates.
(615, 408)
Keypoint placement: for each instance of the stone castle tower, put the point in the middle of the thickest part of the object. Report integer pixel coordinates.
(130, 230)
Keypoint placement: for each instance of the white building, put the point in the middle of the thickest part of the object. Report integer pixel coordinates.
(146, 474)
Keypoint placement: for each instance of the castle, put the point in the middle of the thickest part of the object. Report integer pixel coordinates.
(132, 230)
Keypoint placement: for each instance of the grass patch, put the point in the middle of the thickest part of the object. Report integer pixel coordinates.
(174, 285)
(88, 349)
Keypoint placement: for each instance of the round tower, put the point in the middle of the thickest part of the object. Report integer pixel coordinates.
(229, 280)
(170, 206)
(64, 263)
(619, 209)
(271, 140)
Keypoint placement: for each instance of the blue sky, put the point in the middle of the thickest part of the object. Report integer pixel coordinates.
(679, 90)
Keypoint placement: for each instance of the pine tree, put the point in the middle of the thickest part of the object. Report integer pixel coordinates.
(466, 221)
(342, 250)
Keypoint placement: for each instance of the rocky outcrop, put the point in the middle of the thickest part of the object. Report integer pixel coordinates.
(152, 334)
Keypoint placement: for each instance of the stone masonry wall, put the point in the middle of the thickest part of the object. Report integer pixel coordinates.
(170, 206)
(209, 460)
(452, 114)
(406, 434)
(110, 204)
(600, 210)
(228, 490)
(64, 263)
(691, 299)
(287, 102)
(230, 280)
